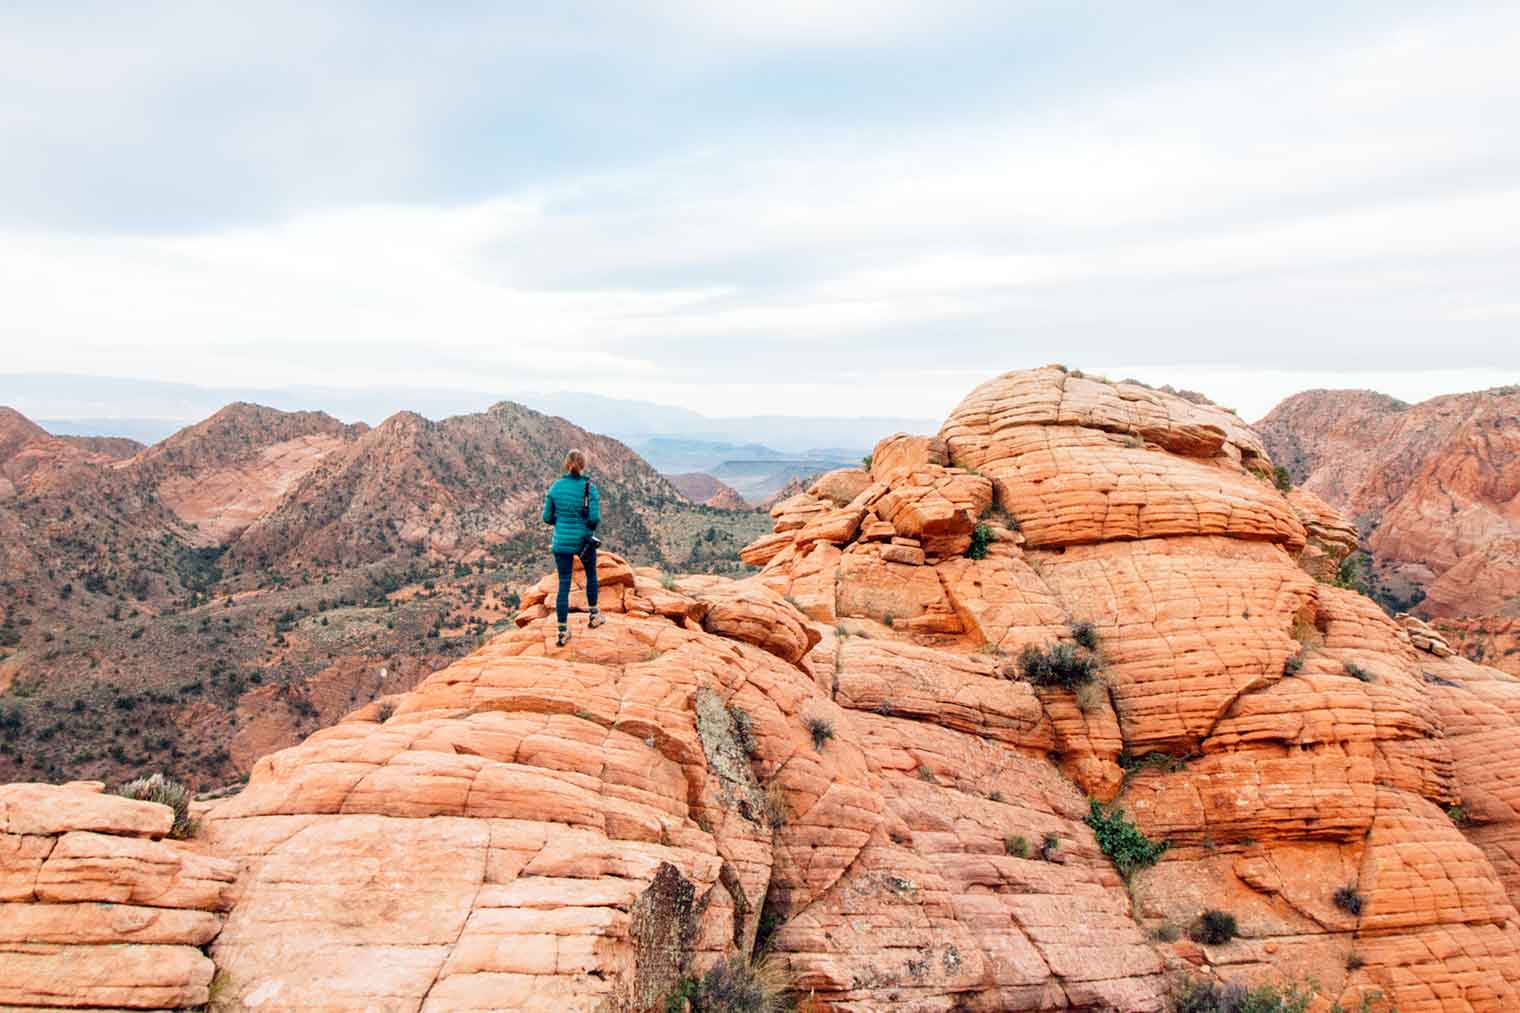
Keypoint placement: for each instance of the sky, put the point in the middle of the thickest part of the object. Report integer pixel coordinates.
(852, 208)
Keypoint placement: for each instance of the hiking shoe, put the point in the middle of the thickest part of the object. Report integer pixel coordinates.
(563, 638)
(596, 620)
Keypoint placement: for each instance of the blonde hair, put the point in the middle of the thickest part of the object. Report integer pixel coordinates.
(575, 462)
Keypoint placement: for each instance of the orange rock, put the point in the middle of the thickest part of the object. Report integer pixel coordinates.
(840, 487)
(95, 914)
(51, 809)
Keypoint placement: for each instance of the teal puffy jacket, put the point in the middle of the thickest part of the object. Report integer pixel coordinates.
(562, 508)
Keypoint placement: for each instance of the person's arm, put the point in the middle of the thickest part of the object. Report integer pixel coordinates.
(549, 506)
(594, 513)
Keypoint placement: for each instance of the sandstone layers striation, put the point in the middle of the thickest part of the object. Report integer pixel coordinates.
(841, 761)
(96, 910)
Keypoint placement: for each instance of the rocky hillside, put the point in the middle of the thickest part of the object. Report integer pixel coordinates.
(196, 603)
(700, 487)
(1042, 712)
(1434, 489)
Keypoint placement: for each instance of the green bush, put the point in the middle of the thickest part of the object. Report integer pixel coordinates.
(1213, 928)
(981, 538)
(1065, 665)
(1123, 842)
(164, 791)
(1294, 664)
(1282, 479)
(1016, 846)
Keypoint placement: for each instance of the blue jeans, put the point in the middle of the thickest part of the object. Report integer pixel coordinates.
(564, 562)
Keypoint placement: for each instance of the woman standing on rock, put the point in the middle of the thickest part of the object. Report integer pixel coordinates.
(574, 507)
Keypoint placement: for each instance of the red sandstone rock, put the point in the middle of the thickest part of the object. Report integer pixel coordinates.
(93, 913)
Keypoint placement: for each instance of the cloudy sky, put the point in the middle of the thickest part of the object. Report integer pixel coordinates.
(824, 208)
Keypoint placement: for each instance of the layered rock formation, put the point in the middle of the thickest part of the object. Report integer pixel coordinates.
(843, 761)
(95, 909)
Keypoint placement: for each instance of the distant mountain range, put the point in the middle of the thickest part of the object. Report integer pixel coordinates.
(153, 598)
(150, 410)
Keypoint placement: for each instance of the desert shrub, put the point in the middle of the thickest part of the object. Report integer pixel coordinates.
(981, 538)
(744, 729)
(821, 729)
(1348, 900)
(1213, 928)
(1458, 814)
(1358, 672)
(384, 712)
(1065, 665)
(1203, 996)
(734, 985)
(164, 791)
(1294, 664)
(1123, 842)
(1166, 932)
(1016, 845)
(1282, 479)
(1049, 846)
(1085, 634)
(865, 463)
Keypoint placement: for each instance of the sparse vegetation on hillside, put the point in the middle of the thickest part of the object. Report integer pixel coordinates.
(1208, 996)
(132, 620)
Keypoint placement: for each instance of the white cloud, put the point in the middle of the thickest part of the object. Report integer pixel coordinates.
(1231, 209)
